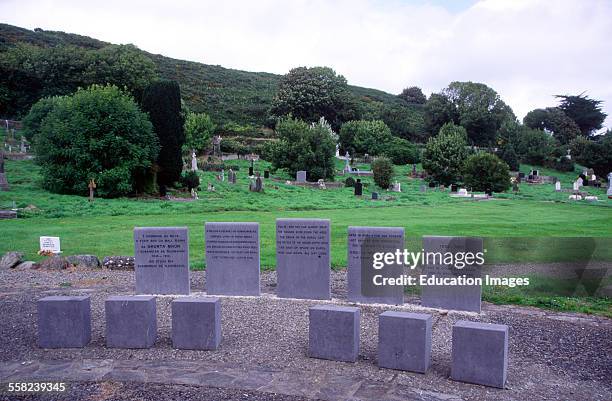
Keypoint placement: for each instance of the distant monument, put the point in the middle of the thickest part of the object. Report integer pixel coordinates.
(609, 186)
(194, 161)
(4, 186)
(347, 159)
(216, 141)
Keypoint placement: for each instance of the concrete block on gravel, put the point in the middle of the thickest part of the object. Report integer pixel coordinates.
(333, 332)
(404, 341)
(64, 321)
(196, 323)
(480, 353)
(131, 321)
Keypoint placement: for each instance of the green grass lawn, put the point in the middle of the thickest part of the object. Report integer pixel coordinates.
(104, 227)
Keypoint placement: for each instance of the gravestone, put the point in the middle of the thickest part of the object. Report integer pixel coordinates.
(480, 353)
(458, 297)
(303, 258)
(131, 321)
(258, 184)
(454, 188)
(423, 188)
(4, 186)
(50, 244)
(558, 186)
(194, 161)
(300, 176)
(358, 187)
(266, 174)
(609, 193)
(374, 195)
(251, 171)
(64, 321)
(576, 186)
(161, 260)
(363, 242)
(397, 187)
(404, 341)
(521, 175)
(333, 332)
(196, 323)
(232, 258)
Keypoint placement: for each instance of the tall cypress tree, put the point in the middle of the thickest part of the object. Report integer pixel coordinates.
(162, 100)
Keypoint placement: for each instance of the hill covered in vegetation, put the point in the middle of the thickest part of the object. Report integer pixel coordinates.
(236, 100)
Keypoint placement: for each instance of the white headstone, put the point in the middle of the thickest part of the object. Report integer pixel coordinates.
(194, 161)
(462, 192)
(50, 244)
(558, 186)
(577, 185)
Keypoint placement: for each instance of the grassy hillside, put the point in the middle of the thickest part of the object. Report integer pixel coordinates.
(228, 95)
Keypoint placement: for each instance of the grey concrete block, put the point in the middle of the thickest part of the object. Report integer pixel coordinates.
(161, 260)
(64, 321)
(333, 332)
(460, 297)
(232, 258)
(303, 258)
(131, 321)
(480, 353)
(363, 243)
(196, 323)
(404, 341)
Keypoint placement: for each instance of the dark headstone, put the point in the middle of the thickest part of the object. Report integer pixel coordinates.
(358, 188)
(521, 175)
(454, 188)
(8, 214)
(303, 258)
(480, 353)
(333, 333)
(363, 243)
(404, 341)
(64, 321)
(458, 297)
(266, 173)
(131, 321)
(258, 184)
(431, 184)
(232, 258)
(251, 171)
(162, 260)
(196, 323)
(374, 195)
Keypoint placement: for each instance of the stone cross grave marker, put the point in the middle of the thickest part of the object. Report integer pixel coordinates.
(363, 243)
(161, 260)
(460, 297)
(232, 258)
(303, 258)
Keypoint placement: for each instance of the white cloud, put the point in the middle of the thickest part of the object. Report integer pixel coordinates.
(528, 51)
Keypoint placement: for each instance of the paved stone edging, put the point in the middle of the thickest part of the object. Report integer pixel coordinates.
(305, 384)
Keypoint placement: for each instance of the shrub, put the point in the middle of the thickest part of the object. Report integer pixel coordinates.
(162, 100)
(96, 133)
(303, 147)
(535, 146)
(383, 172)
(598, 155)
(33, 120)
(199, 129)
(563, 164)
(445, 154)
(190, 180)
(486, 172)
(400, 151)
(349, 182)
(510, 157)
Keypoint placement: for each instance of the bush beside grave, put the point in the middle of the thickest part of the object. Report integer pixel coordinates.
(383, 172)
(486, 172)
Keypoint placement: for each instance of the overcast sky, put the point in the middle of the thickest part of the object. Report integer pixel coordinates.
(527, 50)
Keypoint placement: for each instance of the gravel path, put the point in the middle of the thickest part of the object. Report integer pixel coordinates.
(263, 353)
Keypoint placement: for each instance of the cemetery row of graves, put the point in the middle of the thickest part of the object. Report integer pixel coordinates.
(303, 253)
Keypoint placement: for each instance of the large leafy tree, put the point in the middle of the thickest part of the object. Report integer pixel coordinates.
(97, 133)
(554, 120)
(535, 146)
(474, 106)
(362, 136)
(585, 112)
(413, 94)
(598, 155)
(162, 100)
(311, 93)
(199, 129)
(29, 73)
(303, 146)
(445, 154)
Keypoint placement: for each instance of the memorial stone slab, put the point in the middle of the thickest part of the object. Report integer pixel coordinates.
(404, 341)
(458, 297)
(303, 258)
(196, 323)
(232, 258)
(363, 243)
(161, 260)
(333, 332)
(480, 353)
(50, 244)
(64, 321)
(301, 176)
(131, 321)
